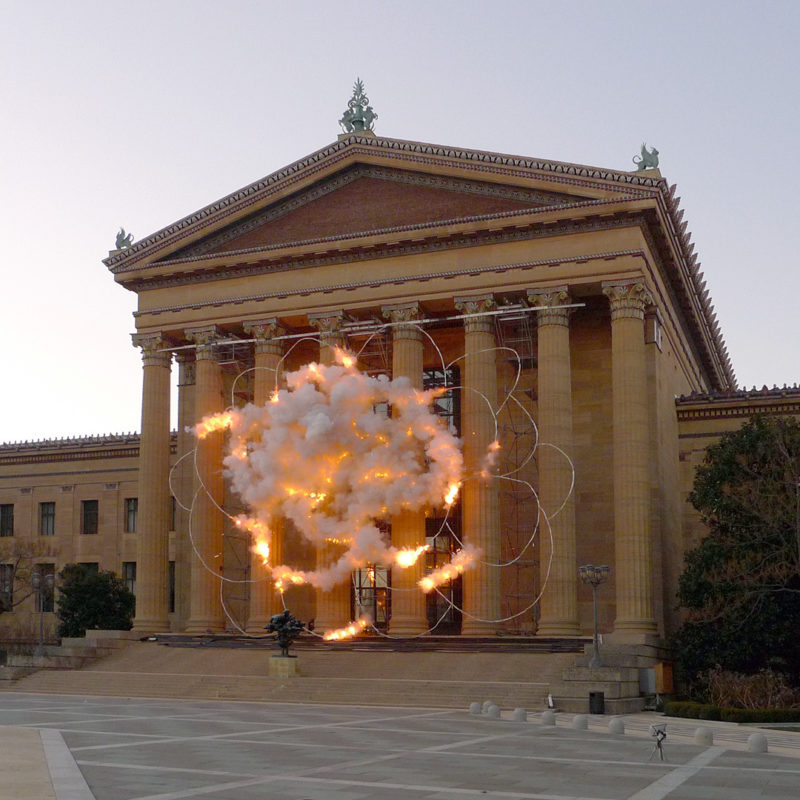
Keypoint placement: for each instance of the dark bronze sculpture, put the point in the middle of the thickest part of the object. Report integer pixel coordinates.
(124, 239)
(359, 115)
(287, 629)
(647, 160)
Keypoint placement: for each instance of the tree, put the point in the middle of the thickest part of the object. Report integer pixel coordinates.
(18, 562)
(741, 584)
(92, 599)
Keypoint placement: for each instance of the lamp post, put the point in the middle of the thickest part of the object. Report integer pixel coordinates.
(594, 575)
(42, 585)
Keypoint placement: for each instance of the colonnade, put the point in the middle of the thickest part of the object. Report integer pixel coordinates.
(482, 593)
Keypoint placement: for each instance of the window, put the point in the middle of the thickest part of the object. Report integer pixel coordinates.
(46, 593)
(6, 587)
(131, 514)
(47, 519)
(129, 575)
(89, 516)
(7, 519)
(171, 587)
(173, 512)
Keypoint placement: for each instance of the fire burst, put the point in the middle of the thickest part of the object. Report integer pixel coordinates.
(351, 630)
(459, 562)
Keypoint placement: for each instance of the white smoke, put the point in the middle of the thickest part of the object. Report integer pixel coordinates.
(324, 454)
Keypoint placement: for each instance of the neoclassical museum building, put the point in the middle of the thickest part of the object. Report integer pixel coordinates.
(559, 308)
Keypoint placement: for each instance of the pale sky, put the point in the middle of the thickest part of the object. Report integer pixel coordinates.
(137, 114)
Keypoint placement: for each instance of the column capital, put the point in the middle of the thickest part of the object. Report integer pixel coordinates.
(264, 332)
(628, 298)
(478, 305)
(329, 324)
(404, 315)
(154, 349)
(552, 302)
(204, 338)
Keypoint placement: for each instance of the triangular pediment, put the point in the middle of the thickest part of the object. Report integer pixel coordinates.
(365, 184)
(366, 198)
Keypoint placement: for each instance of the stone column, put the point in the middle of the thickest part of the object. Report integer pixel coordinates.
(264, 598)
(632, 546)
(184, 484)
(480, 512)
(409, 617)
(207, 521)
(559, 604)
(333, 607)
(152, 541)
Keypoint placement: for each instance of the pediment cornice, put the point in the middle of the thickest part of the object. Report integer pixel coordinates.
(416, 155)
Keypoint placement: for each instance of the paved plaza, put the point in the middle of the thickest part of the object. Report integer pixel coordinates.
(126, 749)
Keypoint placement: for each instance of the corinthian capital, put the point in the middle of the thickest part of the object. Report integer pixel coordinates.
(204, 338)
(552, 302)
(154, 349)
(628, 299)
(329, 324)
(477, 305)
(265, 331)
(402, 312)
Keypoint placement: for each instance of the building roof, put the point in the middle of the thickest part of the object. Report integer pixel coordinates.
(567, 187)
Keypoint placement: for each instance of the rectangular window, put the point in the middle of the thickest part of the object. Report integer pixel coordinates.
(173, 512)
(131, 514)
(89, 516)
(47, 519)
(7, 519)
(6, 587)
(45, 594)
(129, 575)
(172, 587)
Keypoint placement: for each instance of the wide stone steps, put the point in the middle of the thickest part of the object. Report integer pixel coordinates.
(352, 691)
(435, 679)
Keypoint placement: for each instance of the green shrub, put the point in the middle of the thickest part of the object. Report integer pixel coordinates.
(689, 710)
(92, 599)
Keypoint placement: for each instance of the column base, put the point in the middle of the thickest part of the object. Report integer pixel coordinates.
(634, 632)
(257, 625)
(407, 626)
(204, 626)
(473, 627)
(147, 626)
(558, 628)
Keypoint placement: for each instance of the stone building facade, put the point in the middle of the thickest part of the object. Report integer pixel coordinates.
(575, 287)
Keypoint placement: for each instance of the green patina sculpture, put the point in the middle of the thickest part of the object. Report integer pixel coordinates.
(359, 115)
(124, 239)
(647, 160)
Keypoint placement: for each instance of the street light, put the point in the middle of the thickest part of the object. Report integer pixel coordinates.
(42, 586)
(594, 575)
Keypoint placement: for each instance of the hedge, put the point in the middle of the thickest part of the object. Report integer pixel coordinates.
(688, 710)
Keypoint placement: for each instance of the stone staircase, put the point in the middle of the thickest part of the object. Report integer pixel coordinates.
(355, 677)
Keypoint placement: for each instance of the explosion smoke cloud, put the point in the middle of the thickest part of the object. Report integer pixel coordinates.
(324, 454)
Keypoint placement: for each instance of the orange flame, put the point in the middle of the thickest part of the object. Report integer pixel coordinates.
(452, 493)
(460, 561)
(407, 558)
(351, 630)
(213, 423)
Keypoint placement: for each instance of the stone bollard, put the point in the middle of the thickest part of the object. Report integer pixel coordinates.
(616, 725)
(757, 743)
(474, 708)
(520, 715)
(486, 704)
(580, 722)
(493, 711)
(548, 718)
(704, 736)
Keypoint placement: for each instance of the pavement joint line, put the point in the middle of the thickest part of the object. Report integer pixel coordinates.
(478, 740)
(672, 780)
(68, 781)
(287, 729)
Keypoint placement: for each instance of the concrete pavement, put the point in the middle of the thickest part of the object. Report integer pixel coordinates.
(100, 748)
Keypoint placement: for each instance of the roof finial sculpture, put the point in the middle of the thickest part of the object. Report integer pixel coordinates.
(359, 115)
(124, 239)
(648, 159)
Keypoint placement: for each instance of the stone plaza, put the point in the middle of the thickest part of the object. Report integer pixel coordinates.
(124, 749)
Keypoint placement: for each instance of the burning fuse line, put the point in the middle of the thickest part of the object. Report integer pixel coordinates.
(458, 563)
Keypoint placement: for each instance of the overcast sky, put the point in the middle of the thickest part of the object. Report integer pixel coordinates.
(136, 114)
